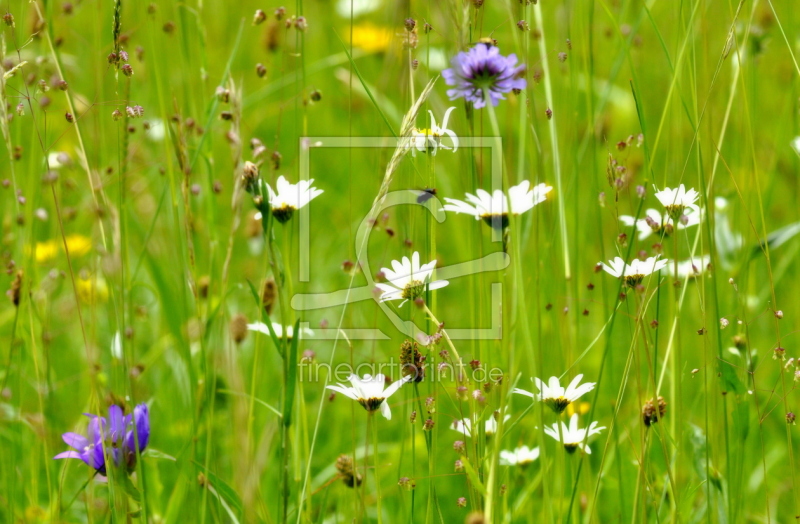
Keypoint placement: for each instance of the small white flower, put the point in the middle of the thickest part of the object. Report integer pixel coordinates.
(521, 456)
(555, 396)
(464, 426)
(408, 280)
(656, 222)
(689, 268)
(573, 437)
(634, 272)
(278, 328)
(290, 197)
(369, 392)
(495, 208)
(430, 140)
(676, 201)
(157, 131)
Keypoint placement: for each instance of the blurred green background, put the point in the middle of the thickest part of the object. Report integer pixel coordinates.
(147, 207)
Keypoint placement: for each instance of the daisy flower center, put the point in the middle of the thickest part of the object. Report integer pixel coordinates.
(570, 446)
(432, 133)
(675, 211)
(495, 219)
(557, 404)
(283, 213)
(633, 280)
(413, 289)
(372, 403)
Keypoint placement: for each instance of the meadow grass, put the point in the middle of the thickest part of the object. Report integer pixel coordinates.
(138, 139)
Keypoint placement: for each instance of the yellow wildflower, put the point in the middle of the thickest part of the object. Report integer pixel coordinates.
(372, 38)
(78, 245)
(582, 408)
(91, 288)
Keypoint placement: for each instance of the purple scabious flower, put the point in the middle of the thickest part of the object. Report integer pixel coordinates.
(117, 435)
(138, 432)
(483, 69)
(89, 450)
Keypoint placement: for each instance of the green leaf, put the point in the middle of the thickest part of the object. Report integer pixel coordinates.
(702, 463)
(221, 489)
(154, 453)
(779, 237)
(472, 475)
(124, 482)
(741, 418)
(275, 338)
(731, 379)
(291, 375)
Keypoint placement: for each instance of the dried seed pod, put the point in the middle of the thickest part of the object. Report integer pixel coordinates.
(653, 411)
(238, 328)
(346, 468)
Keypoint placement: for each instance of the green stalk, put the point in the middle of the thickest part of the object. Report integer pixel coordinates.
(548, 90)
(375, 461)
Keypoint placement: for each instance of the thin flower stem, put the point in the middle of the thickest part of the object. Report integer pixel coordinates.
(548, 91)
(375, 461)
(564, 467)
(492, 114)
(447, 338)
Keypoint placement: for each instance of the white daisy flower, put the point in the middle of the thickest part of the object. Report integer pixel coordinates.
(430, 140)
(635, 272)
(676, 201)
(369, 392)
(278, 328)
(555, 396)
(521, 456)
(495, 208)
(689, 268)
(464, 426)
(573, 437)
(290, 197)
(408, 280)
(661, 223)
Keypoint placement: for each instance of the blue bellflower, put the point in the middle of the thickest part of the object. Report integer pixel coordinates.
(118, 435)
(480, 69)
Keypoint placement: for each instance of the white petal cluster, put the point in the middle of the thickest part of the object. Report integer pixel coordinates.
(573, 437)
(689, 268)
(408, 279)
(522, 456)
(678, 199)
(521, 198)
(290, 197)
(464, 426)
(370, 393)
(634, 272)
(430, 139)
(658, 222)
(556, 396)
